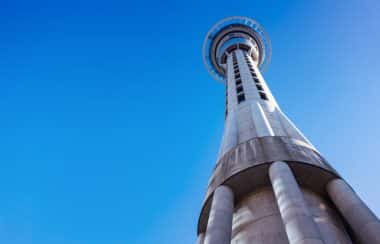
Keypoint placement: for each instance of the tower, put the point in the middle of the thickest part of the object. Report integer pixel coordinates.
(270, 184)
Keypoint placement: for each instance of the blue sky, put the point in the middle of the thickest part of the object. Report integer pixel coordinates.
(110, 123)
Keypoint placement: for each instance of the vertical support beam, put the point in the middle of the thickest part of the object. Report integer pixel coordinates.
(201, 238)
(219, 225)
(299, 224)
(363, 222)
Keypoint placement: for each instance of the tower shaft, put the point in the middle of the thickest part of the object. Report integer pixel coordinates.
(251, 109)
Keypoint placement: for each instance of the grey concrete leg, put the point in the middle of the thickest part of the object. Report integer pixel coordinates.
(364, 223)
(219, 225)
(299, 224)
(201, 238)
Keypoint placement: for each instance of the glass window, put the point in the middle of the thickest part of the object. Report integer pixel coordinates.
(241, 98)
(263, 96)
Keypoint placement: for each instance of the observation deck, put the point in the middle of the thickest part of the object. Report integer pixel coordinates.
(233, 33)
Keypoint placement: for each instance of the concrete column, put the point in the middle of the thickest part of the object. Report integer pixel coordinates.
(201, 238)
(219, 225)
(299, 224)
(364, 223)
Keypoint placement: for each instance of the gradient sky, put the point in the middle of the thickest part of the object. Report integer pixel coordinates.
(110, 124)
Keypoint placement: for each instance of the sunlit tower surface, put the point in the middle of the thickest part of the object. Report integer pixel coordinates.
(270, 184)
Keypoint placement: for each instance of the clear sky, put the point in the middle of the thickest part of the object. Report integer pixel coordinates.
(110, 124)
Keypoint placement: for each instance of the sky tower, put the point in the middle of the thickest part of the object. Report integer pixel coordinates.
(270, 184)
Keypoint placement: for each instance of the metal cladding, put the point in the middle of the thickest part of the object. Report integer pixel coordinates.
(270, 184)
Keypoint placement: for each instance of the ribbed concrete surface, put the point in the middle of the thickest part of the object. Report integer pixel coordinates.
(327, 219)
(220, 220)
(298, 221)
(257, 220)
(363, 222)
